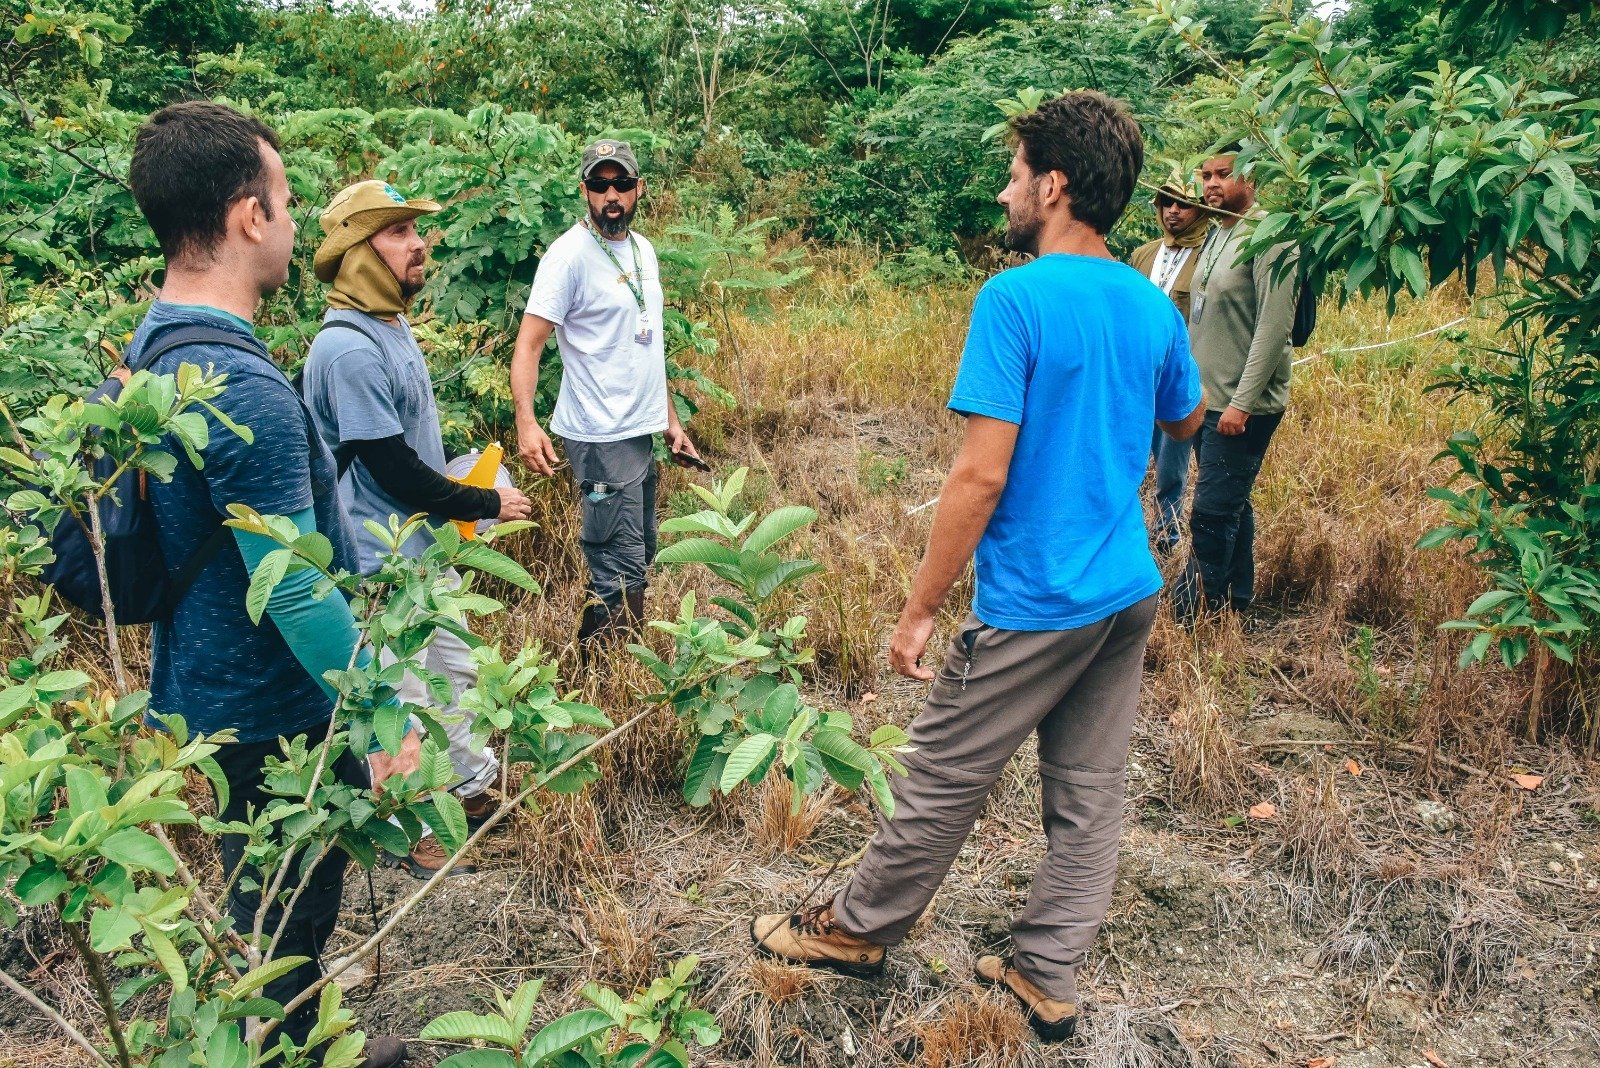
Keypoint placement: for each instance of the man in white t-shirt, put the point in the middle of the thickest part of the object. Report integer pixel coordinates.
(598, 287)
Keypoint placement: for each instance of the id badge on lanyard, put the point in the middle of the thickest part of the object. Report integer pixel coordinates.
(645, 333)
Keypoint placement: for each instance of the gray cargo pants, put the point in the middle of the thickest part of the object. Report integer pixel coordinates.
(1080, 690)
(617, 497)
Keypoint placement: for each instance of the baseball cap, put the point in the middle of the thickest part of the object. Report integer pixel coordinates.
(606, 150)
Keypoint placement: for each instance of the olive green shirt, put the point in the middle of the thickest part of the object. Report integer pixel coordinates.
(1240, 320)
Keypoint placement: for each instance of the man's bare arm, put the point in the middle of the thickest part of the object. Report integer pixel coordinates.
(533, 444)
(971, 492)
(1187, 427)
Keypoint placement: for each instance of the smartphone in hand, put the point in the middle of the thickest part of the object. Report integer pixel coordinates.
(685, 459)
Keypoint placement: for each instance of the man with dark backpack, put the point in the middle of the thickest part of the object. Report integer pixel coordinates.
(366, 384)
(212, 186)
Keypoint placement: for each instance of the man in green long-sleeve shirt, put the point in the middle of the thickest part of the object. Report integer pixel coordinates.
(1240, 320)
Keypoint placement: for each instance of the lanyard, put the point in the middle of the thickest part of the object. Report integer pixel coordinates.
(1206, 267)
(636, 283)
(1173, 259)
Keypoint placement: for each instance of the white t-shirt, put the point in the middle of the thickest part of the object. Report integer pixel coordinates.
(612, 387)
(1168, 265)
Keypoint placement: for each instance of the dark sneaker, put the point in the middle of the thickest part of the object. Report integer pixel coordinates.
(427, 857)
(383, 1052)
(813, 938)
(1052, 1021)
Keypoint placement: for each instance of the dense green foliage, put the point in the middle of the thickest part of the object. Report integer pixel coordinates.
(1412, 143)
(1394, 172)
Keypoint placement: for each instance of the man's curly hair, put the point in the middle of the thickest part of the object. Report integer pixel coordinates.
(1095, 142)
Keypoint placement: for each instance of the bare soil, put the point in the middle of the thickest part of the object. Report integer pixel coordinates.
(1327, 860)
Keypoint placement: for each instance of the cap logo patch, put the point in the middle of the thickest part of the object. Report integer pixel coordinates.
(605, 150)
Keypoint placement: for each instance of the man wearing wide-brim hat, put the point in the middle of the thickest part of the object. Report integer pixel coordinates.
(367, 385)
(1169, 262)
(598, 290)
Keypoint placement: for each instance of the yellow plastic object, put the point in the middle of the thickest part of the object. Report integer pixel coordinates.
(482, 475)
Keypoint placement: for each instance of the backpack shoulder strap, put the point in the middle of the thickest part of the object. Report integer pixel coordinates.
(194, 335)
(179, 583)
(346, 324)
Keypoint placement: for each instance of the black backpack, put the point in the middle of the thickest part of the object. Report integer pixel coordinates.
(1305, 315)
(143, 589)
(1305, 310)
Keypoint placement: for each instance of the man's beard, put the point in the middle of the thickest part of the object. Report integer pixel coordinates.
(1022, 233)
(409, 289)
(612, 226)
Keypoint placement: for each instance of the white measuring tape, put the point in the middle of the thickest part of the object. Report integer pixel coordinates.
(1381, 344)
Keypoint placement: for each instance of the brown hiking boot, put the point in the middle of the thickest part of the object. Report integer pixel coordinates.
(383, 1052)
(813, 938)
(1052, 1021)
(479, 808)
(427, 857)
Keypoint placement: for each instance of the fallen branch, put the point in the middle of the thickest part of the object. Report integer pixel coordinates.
(55, 1017)
(367, 948)
(1376, 743)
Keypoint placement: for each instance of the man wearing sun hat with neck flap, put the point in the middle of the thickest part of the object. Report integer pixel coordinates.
(367, 386)
(598, 289)
(1169, 262)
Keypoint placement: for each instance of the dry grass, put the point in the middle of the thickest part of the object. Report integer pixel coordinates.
(617, 883)
(972, 1031)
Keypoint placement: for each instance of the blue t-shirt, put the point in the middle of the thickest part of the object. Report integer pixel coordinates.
(1083, 354)
(358, 391)
(209, 663)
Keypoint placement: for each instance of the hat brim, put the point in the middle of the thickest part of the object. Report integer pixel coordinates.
(1167, 194)
(359, 226)
(631, 170)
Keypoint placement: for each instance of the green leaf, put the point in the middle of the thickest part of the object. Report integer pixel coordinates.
(257, 978)
(167, 955)
(59, 682)
(41, 884)
(470, 1027)
(480, 1058)
(565, 1032)
(784, 574)
(451, 826)
(112, 929)
(480, 557)
(843, 748)
(264, 579)
(745, 758)
(138, 851)
(705, 768)
(878, 779)
(777, 526)
(1487, 601)
(697, 551)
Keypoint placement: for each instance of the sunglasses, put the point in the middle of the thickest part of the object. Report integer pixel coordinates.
(624, 184)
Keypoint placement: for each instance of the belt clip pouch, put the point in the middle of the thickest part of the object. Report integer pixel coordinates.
(601, 507)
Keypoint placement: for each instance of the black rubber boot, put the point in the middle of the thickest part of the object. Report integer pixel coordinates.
(597, 620)
(633, 605)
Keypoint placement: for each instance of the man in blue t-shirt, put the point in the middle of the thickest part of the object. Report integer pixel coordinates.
(1068, 362)
(212, 186)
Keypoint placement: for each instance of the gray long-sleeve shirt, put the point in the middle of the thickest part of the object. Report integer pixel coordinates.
(1240, 322)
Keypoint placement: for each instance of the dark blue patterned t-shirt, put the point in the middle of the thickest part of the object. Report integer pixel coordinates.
(210, 664)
